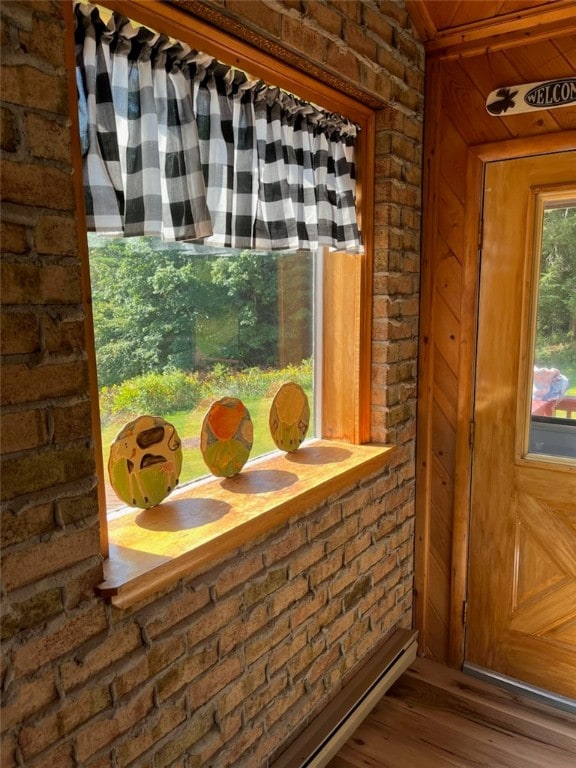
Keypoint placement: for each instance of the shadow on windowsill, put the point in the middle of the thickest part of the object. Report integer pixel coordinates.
(182, 514)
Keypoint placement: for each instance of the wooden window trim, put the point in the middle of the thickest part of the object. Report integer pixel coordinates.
(347, 291)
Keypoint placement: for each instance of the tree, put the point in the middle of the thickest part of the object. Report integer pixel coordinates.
(557, 293)
(161, 307)
(147, 299)
(251, 283)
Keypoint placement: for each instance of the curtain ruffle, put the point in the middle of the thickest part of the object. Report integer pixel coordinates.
(180, 146)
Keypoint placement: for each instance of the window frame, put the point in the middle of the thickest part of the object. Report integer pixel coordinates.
(347, 277)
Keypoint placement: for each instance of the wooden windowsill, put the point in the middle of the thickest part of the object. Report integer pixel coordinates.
(152, 548)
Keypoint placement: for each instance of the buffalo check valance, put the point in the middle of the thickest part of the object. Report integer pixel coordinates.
(179, 146)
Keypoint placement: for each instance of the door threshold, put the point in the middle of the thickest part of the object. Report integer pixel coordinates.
(525, 689)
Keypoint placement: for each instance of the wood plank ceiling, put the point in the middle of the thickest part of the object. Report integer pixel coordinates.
(447, 14)
(464, 27)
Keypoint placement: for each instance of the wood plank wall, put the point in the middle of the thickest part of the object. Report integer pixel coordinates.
(456, 123)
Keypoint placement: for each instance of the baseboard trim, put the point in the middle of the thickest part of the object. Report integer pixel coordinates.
(322, 739)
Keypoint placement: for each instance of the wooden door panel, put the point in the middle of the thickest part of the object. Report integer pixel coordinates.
(554, 608)
(552, 671)
(536, 482)
(565, 634)
(522, 564)
(555, 534)
(535, 570)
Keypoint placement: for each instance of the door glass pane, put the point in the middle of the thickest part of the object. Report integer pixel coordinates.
(553, 411)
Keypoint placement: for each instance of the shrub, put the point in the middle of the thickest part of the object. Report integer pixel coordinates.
(153, 393)
(171, 391)
(255, 382)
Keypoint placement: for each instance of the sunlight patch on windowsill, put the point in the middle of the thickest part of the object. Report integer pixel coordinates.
(153, 548)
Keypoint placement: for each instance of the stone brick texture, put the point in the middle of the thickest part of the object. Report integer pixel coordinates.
(228, 665)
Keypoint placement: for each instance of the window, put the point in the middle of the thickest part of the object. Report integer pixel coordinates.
(553, 402)
(344, 288)
(178, 325)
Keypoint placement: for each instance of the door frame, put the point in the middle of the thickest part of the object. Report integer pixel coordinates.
(478, 156)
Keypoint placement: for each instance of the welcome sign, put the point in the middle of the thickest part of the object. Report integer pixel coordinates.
(548, 94)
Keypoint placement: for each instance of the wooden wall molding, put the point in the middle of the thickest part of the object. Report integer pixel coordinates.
(425, 369)
(521, 147)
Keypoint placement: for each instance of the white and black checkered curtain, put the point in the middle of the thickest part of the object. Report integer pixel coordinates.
(179, 146)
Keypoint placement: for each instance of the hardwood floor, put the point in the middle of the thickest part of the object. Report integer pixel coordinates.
(436, 717)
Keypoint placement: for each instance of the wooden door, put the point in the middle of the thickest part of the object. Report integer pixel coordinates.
(522, 562)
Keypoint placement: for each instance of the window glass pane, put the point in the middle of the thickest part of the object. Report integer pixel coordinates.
(178, 325)
(553, 412)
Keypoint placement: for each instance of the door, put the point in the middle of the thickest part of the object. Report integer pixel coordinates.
(522, 563)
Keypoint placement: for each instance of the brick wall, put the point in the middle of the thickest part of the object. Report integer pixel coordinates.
(223, 668)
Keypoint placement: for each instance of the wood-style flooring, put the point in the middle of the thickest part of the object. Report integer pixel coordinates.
(436, 717)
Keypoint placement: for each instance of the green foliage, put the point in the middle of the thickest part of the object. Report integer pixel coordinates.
(152, 393)
(556, 314)
(160, 307)
(557, 293)
(147, 299)
(254, 382)
(175, 391)
(251, 283)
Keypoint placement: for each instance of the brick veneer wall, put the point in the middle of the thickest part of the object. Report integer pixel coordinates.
(224, 667)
